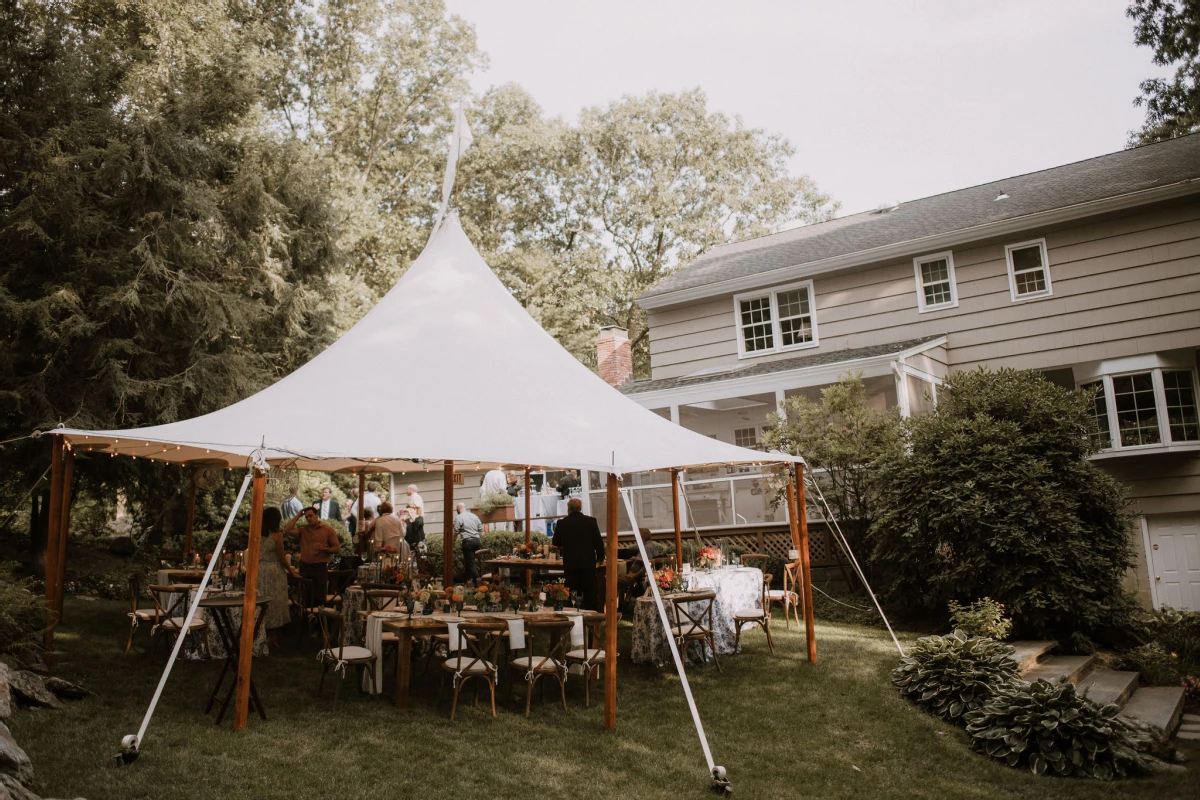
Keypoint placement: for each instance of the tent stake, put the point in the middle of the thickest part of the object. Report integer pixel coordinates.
(241, 700)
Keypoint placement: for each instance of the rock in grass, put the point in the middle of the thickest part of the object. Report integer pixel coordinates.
(65, 689)
(13, 760)
(30, 689)
(11, 789)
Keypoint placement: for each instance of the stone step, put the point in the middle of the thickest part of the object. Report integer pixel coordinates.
(1190, 718)
(1104, 686)
(1074, 668)
(1027, 652)
(1160, 707)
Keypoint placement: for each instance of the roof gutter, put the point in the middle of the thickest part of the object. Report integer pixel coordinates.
(926, 244)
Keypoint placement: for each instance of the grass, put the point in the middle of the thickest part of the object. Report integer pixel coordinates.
(782, 727)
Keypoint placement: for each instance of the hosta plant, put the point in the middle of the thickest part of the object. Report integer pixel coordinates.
(951, 675)
(1048, 727)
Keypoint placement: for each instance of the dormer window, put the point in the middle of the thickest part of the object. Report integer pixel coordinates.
(776, 320)
(936, 288)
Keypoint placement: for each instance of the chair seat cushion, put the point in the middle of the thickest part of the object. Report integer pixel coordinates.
(145, 613)
(777, 594)
(467, 665)
(540, 663)
(749, 613)
(176, 623)
(348, 653)
(590, 654)
(689, 630)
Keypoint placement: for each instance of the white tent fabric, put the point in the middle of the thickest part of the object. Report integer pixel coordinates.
(483, 384)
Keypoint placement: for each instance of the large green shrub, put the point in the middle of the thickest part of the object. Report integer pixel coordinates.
(22, 616)
(1155, 665)
(1179, 633)
(949, 676)
(1047, 726)
(995, 497)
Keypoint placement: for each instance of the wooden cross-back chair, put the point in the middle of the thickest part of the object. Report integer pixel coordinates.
(694, 624)
(174, 614)
(552, 662)
(756, 560)
(760, 616)
(337, 581)
(138, 615)
(341, 656)
(478, 659)
(590, 657)
(789, 595)
(481, 555)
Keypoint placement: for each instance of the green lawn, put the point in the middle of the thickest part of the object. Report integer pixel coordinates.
(782, 727)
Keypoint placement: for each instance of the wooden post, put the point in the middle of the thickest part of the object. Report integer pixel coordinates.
(528, 532)
(52, 542)
(241, 708)
(191, 516)
(610, 606)
(359, 531)
(448, 526)
(64, 527)
(675, 513)
(805, 567)
(793, 515)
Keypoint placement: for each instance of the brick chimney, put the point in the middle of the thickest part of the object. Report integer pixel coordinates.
(614, 356)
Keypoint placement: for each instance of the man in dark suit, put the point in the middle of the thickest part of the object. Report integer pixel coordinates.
(577, 538)
(327, 507)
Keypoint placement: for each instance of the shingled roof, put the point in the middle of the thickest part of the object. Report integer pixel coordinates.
(783, 365)
(1146, 167)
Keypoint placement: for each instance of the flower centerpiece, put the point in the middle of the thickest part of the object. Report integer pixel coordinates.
(557, 594)
(525, 551)
(668, 580)
(457, 600)
(708, 558)
(426, 598)
(447, 599)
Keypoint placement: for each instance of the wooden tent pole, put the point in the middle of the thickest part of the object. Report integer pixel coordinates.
(191, 516)
(241, 708)
(675, 513)
(793, 516)
(52, 543)
(359, 528)
(805, 567)
(610, 606)
(528, 532)
(64, 526)
(448, 525)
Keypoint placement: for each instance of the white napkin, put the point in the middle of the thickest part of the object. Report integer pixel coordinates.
(576, 628)
(455, 642)
(516, 634)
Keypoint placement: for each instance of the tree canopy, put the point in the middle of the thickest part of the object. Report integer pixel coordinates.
(1171, 28)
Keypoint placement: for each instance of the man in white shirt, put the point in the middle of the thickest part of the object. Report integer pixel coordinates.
(371, 501)
(494, 482)
(414, 499)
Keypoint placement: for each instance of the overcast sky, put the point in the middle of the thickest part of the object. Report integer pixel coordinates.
(882, 99)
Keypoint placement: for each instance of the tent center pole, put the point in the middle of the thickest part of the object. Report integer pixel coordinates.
(241, 702)
(448, 525)
(610, 604)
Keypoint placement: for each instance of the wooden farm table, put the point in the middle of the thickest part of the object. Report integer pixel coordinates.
(419, 625)
(528, 564)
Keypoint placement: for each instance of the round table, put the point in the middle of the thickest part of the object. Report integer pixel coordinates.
(736, 587)
(222, 610)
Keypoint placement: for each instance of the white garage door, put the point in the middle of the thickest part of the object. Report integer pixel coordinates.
(1175, 559)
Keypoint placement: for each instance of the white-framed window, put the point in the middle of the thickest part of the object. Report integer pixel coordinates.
(1146, 408)
(746, 437)
(936, 287)
(776, 320)
(1028, 270)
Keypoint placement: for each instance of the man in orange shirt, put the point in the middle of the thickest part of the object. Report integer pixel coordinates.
(318, 542)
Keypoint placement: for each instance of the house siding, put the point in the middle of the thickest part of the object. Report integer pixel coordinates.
(1121, 286)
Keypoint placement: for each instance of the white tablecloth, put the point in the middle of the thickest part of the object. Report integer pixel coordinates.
(736, 588)
(193, 647)
(540, 507)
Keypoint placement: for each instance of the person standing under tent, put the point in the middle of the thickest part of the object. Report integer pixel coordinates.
(414, 531)
(327, 507)
(414, 499)
(469, 527)
(293, 505)
(370, 501)
(317, 543)
(387, 530)
(577, 537)
(569, 481)
(273, 572)
(514, 491)
(349, 519)
(494, 482)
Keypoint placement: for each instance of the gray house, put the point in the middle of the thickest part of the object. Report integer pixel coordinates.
(1089, 272)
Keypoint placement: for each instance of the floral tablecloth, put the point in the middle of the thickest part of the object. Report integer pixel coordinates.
(193, 646)
(736, 587)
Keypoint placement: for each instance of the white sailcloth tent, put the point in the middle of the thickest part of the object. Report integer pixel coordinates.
(476, 367)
